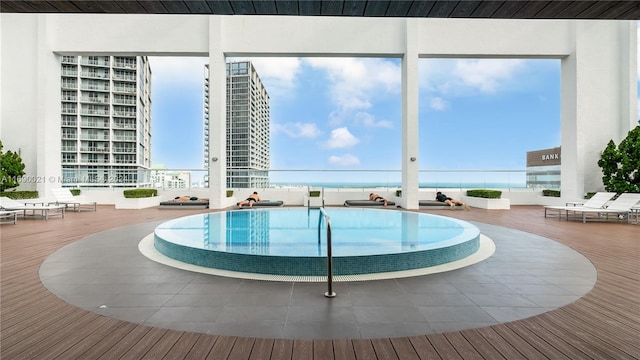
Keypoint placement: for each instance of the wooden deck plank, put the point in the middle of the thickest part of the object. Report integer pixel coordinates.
(222, 348)
(63, 342)
(182, 346)
(384, 349)
(323, 349)
(201, 348)
(302, 349)
(145, 344)
(163, 345)
(241, 348)
(262, 349)
(125, 343)
(102, 346)
(44, 340)
(443, 347)
(462, 346)
(282, 349)
(482, 346)
(507, 350)
(520, 344)
(535, 341)
(579, 340)
(600, 325)
(404, 349)
(343, 349)
(363, 349)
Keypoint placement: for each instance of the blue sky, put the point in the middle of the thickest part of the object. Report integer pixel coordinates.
(345, 113)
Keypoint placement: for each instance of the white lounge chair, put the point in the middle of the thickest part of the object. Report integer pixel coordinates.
(44, 209)
(621, 206)
(65, 197)
(597, 201)
(9, 217)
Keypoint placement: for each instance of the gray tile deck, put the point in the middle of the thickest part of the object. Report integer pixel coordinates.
(527, 275)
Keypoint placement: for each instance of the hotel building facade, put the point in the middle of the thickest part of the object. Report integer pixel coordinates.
(543, 169)
(247, 127)
(105, 121)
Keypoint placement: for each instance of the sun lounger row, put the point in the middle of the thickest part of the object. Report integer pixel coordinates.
(26, 208)
(599, 207)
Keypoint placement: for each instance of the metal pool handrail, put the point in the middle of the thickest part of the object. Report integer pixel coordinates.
(324, 214)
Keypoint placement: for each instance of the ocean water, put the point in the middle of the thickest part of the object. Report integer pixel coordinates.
(428, 185)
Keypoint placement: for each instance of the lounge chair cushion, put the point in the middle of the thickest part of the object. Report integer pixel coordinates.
(185, 202)
(265, 203)
(367, 203)
(436, 204)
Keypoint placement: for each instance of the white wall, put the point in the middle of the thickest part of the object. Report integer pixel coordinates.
(599, 96)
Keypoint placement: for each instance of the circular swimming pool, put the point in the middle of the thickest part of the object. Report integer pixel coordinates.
(286, 241)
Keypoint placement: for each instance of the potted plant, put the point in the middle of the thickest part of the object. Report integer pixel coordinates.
(486, 199)
(138, 199)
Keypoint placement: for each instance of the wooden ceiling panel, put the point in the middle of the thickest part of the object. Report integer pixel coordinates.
(220, 7)
(495, 9)
(398, 8)
(353, 8)
(465, 8)
(198, 7)
(332, 8)
(287, 7)
(376, 8)
(310, 8)
(443, 8)
(265, 7)
(420, 8)
(486, 9)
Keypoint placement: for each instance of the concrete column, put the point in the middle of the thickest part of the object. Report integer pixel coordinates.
(217, 116)
(47, 101)
(599, 100)
(410, 117)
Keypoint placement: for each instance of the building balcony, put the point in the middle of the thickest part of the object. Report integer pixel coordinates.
(124, 138)
(94, 100)
(95, 87)
(124, 114)
(124, 102)
(124, 90)
(95, 112)
(69, 86)
(93, 62)
(123, 150)
(69, 111)
(94, 149)
(124, 65)
(94, 75)
(131, 78)
(94, 137)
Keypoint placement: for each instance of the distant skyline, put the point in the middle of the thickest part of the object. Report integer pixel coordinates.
(345, 113)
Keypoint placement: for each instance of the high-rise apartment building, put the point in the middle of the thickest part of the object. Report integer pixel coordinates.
(106, 121)
(247, 124)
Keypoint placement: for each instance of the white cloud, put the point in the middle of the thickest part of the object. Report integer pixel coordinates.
(341, 138)
(487, 75)
(355, 82)
(278, 74)
(177, 71)
(457, 77)
(369, 120)
(344, 160)
(438, 103)
(297, 130)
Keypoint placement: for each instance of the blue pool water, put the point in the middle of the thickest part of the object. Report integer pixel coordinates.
(284, 241)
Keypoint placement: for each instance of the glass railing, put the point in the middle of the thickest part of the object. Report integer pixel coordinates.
(344, 179)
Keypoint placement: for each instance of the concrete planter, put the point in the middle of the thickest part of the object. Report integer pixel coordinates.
(483, 203)
(137, 203)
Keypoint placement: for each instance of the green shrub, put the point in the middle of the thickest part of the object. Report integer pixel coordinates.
(140, 193)
(17, 195)
(398, 193)
(314, 193)
(552, 193)
(589, 195)
(483, 193)
(75, 192)
(229, 193)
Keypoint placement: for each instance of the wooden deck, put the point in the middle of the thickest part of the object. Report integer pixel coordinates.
(604, 324)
